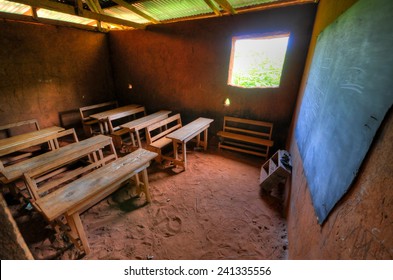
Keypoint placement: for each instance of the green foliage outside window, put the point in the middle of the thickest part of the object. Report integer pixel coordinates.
(258, 62)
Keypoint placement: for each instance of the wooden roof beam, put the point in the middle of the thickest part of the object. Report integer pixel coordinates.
(67, 9)
(213, 7)
(226, 6)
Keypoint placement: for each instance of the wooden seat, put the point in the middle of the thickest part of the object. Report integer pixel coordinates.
(156, 135)
(247, 136)
(90, 125)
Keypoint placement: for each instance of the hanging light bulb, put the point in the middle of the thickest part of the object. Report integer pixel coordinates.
(227, 102)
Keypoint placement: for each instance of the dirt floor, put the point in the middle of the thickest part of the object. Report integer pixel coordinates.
(214, 210)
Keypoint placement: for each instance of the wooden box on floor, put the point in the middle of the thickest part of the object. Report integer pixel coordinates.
(275, 170)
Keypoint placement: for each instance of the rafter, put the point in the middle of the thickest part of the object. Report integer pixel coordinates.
(226, 6)
(135, 10)
(213, 7)
(67, 9)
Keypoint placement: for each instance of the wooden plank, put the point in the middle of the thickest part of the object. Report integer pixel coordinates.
(21, 123)
(49, 161)
(83, 110)
(68, 197)
(246, 138)
(190, 130)
(26, 140)
(108, 113)
(144, 122)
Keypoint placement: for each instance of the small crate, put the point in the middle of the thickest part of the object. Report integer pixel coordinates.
(275, 170)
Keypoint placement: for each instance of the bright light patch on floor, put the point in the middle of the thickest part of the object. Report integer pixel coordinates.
(257, 62)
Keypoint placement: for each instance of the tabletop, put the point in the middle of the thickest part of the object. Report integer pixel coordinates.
(107, 114)
(21, 141)
(190, 129)
(146, 121)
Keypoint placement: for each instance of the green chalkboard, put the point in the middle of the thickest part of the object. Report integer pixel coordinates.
(348, 93)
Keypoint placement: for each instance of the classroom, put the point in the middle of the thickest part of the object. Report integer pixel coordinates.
(154, 129)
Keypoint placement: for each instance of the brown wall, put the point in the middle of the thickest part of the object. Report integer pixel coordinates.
(45, 70)
(360, 226)
(12, 244)
(184, 67)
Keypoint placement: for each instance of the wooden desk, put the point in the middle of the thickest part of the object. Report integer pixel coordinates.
(26, 140)
(186, 133)
(142, 123)
(104, 116)
(44, 162)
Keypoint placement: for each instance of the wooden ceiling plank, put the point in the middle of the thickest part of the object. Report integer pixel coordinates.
(67, 9)
(213, 7)
(135, 10)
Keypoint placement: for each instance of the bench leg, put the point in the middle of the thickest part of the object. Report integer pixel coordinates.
(205, 139)
(75, 223)
(146, 185)
(184, 151)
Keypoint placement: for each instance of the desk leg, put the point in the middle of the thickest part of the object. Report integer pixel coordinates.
(205, 139)
(101, 127)
(175, 154)
(75, 223)
(184, 151)
(138, 138)
(146, 185)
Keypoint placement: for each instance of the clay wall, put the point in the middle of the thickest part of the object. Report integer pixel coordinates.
(48, 72)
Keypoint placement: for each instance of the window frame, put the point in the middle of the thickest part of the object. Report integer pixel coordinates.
(256, 37)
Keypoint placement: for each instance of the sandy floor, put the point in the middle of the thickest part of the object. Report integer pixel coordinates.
(213, 210)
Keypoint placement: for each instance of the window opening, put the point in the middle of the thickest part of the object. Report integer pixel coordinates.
(257, 62)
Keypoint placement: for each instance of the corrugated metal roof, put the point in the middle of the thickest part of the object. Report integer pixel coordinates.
(247, 3)
(43, 13)
(13, 8)
(121, 12)
(132, 14)
(173, 9)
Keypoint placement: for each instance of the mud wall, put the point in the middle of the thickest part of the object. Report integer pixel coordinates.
(48, 72)
(361, 225)
(12, 244)
(184, 67)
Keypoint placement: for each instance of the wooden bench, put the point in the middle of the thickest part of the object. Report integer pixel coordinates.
(156, 133)
(142, 123)
(14, 148)
(247, 136)
(90, 125)
(13, 129)
(15, 171)
(184, 134)
(27, 125)
(66, 197)
(118, 133)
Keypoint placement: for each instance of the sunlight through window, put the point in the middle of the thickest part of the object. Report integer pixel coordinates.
(257, 62)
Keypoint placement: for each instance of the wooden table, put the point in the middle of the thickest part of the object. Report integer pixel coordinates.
(142, 123)
(26, 140)
(186, 133)
(54, 157)
(104, 116)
